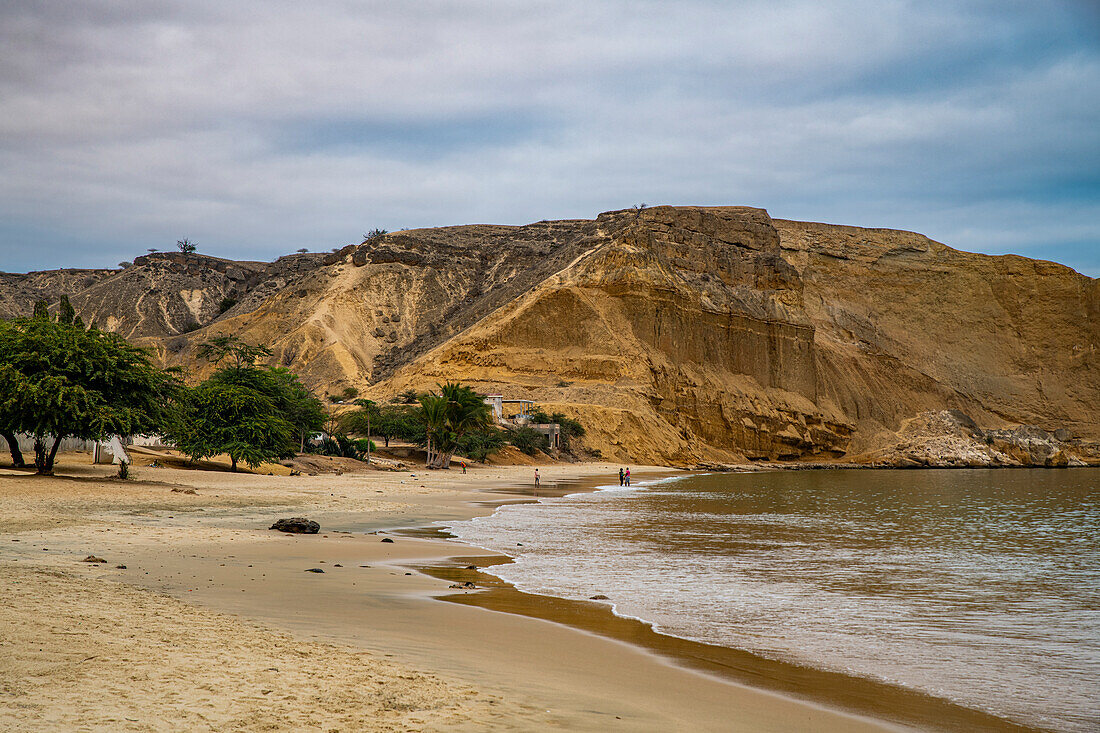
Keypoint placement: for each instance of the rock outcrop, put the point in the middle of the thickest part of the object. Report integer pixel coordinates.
(296, 525)
(951, 439)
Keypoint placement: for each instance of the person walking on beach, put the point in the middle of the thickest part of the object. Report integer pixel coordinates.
(463, 466)
(628, 477)
(620, 477)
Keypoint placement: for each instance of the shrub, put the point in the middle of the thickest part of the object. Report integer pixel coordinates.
(528, 440)
(226, 304)
(481, 444)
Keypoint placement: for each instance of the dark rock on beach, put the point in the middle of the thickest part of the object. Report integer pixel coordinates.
(314, 570)
(386, 539)
(297, 525)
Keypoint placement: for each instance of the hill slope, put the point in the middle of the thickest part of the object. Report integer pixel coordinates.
(684, 334)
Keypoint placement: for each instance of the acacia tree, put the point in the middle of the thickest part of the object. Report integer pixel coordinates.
(448, 416)
(252, 413)
(229, 418)
(60, 380)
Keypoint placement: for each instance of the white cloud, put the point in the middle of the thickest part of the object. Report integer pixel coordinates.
(148, 122)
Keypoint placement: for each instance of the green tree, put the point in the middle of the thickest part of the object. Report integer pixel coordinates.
(290, 399)
(242, 355)
(367, 412)
(185, 245)
(528, 440)
(218, 417)
(253, 413)
(60, 380)
(66, 314)
(482, 443)
(448, 416)
(398, 422)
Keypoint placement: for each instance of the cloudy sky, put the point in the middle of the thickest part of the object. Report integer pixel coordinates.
(258, 128)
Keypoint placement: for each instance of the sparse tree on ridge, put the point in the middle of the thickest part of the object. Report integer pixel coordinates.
(185, 245)
(374, 235)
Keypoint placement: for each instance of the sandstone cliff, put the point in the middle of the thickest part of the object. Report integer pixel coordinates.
(683, 334)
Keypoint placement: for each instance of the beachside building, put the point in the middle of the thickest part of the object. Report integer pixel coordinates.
(517, 413)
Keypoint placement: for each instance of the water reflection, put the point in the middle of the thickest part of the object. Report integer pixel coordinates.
(979, 586)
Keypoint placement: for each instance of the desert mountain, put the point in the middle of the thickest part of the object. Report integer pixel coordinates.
(677, 334)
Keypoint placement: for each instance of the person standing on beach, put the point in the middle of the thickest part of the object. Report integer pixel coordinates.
(536, 478)
(628, 477)
(620, 477)
(463, 466)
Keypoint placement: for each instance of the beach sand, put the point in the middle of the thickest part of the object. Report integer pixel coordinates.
(214, 623)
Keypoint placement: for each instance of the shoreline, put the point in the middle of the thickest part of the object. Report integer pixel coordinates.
(210, 555)
(856, 695)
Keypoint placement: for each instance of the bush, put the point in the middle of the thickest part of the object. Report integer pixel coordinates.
(226, 304)
(481, 444)
(350, 393)
(374, 235)
(190, 326)
(341, 446)
(528, 440)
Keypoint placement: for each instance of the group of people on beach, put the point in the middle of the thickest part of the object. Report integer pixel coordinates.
(624, 476)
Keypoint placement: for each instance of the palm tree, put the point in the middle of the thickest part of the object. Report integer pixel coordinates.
(452, 413)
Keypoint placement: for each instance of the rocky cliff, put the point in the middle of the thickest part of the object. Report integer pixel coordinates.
(683, 334)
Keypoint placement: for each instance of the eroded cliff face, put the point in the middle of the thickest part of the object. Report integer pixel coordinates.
(678, 335)
(906, 325)
(675, 334)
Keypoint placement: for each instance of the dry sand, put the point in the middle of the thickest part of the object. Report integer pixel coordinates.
(214, 625)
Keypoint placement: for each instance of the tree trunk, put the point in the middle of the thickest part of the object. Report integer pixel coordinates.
(233, 463)
(368, 439)
(43, 456)
(13, 446)
(441, 460)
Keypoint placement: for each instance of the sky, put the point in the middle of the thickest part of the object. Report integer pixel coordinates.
(255, 129)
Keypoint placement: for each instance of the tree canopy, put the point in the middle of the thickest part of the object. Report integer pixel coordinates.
(60, 380)
(253, 413)
(449, 415)
(218, 418)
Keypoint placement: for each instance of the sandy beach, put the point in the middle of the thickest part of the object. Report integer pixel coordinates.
(213, 623)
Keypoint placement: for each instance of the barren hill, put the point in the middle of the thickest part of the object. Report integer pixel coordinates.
(684, 334)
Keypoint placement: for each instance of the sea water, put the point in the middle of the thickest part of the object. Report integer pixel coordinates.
(978, 586)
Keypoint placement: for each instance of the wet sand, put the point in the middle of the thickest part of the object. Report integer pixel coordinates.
(210, 602)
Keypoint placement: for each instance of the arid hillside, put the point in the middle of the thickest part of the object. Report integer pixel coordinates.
(686, 335)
